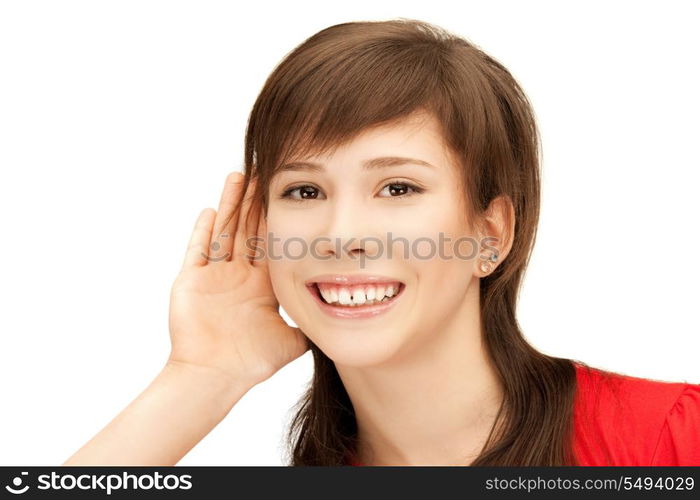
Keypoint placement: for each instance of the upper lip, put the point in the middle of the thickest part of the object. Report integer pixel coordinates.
(351, 279)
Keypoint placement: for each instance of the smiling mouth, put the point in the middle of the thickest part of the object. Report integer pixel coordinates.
(356, 296)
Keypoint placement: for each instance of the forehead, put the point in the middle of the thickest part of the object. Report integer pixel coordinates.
(417, 137)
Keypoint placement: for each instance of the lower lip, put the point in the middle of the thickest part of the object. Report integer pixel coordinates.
(354, 312)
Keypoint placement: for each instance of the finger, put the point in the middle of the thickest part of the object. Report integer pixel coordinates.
(243, 227)
(252, 242)
(259, 254)
(222, 239)
(197, 249)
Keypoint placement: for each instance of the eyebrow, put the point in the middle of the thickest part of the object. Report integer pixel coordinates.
(372, 163)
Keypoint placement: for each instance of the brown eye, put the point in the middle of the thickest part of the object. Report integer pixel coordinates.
(398, 189)
(401, 189)
(307, 192)
(301, 193)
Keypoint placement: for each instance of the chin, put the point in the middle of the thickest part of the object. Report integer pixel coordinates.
(358, 349)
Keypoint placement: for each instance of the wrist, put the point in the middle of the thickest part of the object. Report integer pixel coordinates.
(217, 386)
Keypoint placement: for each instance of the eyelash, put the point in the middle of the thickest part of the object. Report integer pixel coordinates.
(416, 190)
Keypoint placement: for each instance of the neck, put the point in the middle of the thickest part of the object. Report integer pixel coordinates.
(433, 404)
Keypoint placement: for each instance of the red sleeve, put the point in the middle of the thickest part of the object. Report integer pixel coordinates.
(679, 441)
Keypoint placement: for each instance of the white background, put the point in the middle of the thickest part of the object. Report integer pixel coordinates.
(120, 120)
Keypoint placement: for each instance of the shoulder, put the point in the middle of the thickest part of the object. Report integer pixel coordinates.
(624, 420)
(679, 441)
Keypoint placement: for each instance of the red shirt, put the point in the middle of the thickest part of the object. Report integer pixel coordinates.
(621, 420)
(624, 420)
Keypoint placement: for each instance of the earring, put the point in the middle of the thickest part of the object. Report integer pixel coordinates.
(486, 266)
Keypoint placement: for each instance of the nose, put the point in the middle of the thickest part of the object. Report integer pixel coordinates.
(349, 233)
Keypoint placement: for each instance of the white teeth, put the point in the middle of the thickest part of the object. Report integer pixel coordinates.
(361, 295)
(344, 297)
(358, 296)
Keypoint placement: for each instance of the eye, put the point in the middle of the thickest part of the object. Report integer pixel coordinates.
(308, 192)
(401, 189)
(305, 192)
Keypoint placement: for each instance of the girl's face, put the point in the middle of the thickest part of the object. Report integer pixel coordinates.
(391, 223)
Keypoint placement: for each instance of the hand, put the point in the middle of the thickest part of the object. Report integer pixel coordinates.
(223, 313)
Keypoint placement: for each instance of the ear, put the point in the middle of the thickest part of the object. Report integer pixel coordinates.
(495, 233)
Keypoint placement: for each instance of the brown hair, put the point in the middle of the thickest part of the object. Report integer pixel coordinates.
(355, 75)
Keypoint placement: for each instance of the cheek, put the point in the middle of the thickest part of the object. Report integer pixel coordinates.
(442, 257)
(437, 235)
(441, 291)
(288, 238)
